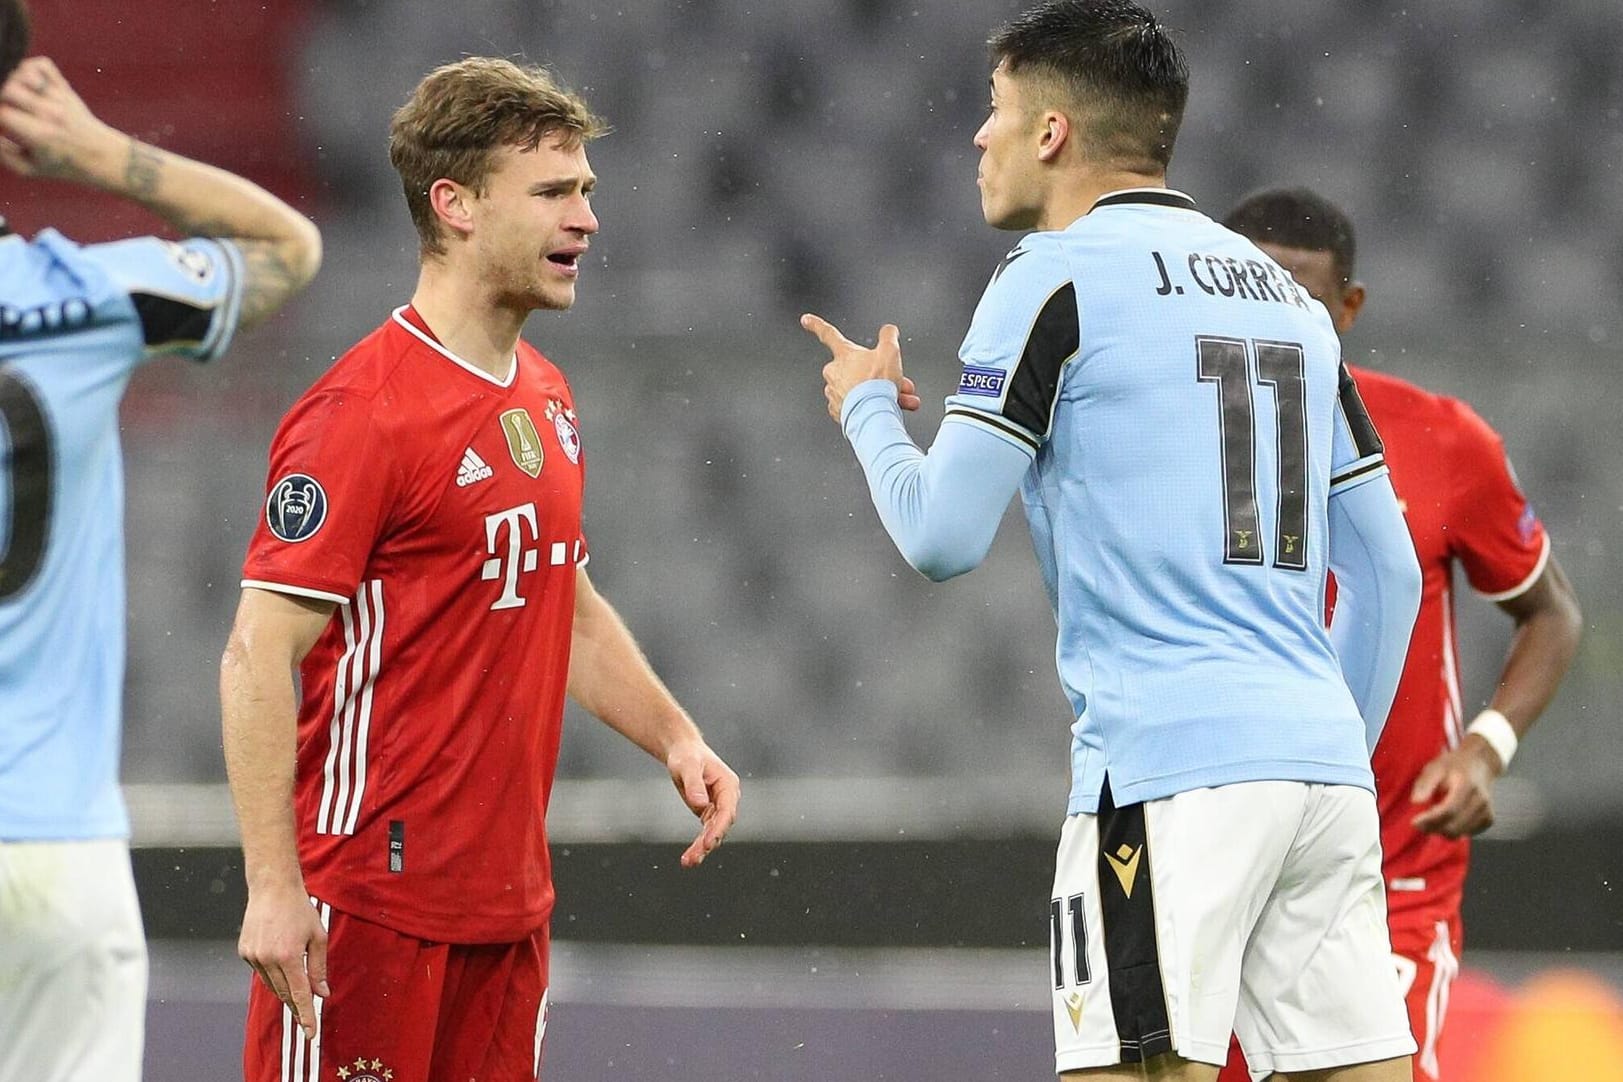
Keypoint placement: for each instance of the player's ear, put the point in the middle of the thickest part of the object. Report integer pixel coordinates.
(1056, 131)
(452, 204)
(1352, 302)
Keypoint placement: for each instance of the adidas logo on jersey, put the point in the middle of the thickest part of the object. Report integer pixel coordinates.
(472, 470)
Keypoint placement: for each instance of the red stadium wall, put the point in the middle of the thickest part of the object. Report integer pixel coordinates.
(205, 78)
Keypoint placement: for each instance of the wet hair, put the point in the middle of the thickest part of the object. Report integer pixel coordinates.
(1113, 59)
(1297, 218)
(14, 33)
(462, 113)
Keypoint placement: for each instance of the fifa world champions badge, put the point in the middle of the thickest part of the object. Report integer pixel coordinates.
(523, 441)
(563, 423)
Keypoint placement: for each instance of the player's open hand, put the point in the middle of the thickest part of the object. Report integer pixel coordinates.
(46, 130)
(710, 789)
(282, 938)
(853, 364)
(1459, 786)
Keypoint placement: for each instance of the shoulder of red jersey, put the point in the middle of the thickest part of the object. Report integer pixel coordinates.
(1395, 402)
(1392, 392)
(364, 369)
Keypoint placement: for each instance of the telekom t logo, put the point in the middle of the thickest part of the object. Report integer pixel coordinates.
(520, 551)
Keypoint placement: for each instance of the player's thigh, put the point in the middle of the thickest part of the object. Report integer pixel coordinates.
(493, 1018)
(1218, 853)
(1168, 1067)
(73, 962)
(1320, 990)
(1149, 917)
(379, 1023)
(1388, 1070)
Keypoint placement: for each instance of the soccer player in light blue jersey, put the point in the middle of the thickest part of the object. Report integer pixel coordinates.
(75, 322)
(1193, 460)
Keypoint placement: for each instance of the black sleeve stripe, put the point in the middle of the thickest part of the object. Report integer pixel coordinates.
(992, 422)
(1363, 470)
(166, 321)
(1366, 441)
(1054, 338)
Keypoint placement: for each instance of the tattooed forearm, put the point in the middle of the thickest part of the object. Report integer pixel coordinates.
(268, 279)
(142, 170)
(202, 226)
(59, 164)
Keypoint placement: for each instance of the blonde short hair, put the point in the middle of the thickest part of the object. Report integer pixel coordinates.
(462, 113)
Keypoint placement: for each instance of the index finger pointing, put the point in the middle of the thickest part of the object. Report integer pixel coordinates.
(826, 332)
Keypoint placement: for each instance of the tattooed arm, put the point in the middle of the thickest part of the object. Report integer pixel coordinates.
(47, 131)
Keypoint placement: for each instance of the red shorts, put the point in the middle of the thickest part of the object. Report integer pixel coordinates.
(404, 1009)
(1426, 950)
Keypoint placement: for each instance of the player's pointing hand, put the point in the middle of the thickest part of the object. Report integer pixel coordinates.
(853, 364)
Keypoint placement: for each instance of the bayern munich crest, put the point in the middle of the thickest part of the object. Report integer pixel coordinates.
(365, 1070)
(296, 508)
(563, 423)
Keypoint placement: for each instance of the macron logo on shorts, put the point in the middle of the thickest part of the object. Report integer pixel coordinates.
(473, 469)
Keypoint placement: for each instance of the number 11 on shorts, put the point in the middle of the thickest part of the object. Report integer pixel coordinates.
(1076, 930)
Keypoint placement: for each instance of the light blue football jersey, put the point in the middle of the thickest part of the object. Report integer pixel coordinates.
(75, 321)
(1189, 418)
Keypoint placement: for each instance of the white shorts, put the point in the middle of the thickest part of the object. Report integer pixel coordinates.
(73, 963)
(1256, 909)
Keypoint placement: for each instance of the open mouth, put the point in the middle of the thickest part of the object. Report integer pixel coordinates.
(567, 260)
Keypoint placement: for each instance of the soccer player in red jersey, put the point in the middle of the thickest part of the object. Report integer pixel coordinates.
(1434, 773)
(420, 562)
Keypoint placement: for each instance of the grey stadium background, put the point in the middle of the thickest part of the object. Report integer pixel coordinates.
(770, 158)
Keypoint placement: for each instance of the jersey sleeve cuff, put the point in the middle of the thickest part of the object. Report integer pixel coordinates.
(1527, 583)
(1007, 431)
(225, 322)
(863, 392)
(1357, 473)
(295, 591)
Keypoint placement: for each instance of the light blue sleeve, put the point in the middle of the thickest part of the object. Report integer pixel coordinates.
(1024, 334)
(1377, 594)
(942, 509)
(1356, 452)
(187, 295)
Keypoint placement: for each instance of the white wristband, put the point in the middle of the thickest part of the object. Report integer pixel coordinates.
(1496, 729)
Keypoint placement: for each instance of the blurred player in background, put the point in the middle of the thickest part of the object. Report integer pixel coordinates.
(1434, 775)
(75, 322)
(1193, 459)
(420, 561)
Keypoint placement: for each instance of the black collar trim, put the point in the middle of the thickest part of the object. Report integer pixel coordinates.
(5, 230)
(1155, 197)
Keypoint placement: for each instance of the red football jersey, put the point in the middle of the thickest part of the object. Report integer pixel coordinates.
(440, 509)
(1463, 506)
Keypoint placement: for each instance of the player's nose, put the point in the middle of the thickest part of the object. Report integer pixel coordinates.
(584, 220)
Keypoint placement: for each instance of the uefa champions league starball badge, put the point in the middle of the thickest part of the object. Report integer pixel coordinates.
(563, 422)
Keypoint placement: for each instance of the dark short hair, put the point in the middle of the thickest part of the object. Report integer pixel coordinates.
(462, 113)
(1110, 55)
(1297, 218)
(13, 36)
